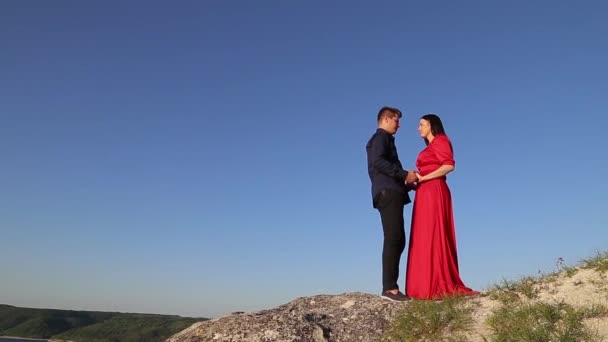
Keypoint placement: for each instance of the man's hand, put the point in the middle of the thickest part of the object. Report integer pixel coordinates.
(411, 177)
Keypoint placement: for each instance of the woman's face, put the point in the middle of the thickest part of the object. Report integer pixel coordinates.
(424, 127)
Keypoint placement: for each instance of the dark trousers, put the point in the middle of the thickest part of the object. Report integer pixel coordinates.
(390, 204)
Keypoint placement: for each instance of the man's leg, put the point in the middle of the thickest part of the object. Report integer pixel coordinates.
(390, 206)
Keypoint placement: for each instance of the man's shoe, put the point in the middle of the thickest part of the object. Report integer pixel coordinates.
(394, 297)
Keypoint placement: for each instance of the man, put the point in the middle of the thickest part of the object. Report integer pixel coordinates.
(389, 194)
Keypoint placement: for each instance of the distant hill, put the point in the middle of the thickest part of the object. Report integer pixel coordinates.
(89, 326)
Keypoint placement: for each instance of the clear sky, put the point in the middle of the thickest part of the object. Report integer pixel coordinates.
(203, 157)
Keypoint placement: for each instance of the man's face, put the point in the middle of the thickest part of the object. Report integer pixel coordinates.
(391, 124)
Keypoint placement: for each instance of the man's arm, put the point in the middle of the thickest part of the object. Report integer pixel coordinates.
(378, 149)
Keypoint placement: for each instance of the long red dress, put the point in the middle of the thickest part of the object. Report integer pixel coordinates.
(432, 265)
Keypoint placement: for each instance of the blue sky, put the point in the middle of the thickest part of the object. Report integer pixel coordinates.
(202, 157)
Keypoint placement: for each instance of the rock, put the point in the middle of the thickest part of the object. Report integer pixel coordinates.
(353, 316)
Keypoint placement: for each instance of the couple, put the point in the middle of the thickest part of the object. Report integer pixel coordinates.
(432, 265)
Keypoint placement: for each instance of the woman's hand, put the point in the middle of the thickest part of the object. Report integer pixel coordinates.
(420, 177)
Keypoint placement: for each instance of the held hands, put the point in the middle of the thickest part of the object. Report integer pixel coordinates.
(411, 179)
(412, 176)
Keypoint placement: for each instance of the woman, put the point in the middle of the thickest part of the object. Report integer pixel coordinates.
(432, 266)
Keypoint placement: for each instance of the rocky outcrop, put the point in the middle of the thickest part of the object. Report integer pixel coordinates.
(347, 317)
(363, 317)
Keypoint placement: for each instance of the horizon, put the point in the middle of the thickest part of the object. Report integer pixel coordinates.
(198, 159)
(559, 267)
(119, 312)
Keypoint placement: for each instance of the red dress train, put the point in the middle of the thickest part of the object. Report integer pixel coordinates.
(432, 265)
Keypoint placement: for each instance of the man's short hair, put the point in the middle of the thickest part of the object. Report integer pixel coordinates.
(388, 112)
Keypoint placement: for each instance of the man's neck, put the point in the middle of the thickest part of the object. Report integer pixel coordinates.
(384, 129)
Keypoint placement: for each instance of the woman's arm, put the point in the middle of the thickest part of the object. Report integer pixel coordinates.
(440, 172)
(442, 148)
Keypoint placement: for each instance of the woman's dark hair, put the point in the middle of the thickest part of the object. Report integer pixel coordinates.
(436, 125)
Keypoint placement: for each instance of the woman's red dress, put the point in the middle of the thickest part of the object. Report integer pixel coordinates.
(432, 266)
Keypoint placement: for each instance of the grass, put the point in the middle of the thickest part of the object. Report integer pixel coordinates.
(595, 311)
(529, 287)
(599, 262)
(508, 291)
(561, 266)
(446, 320)
(570, 271)
(519, 316)
(519, 320)
(543, 322)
